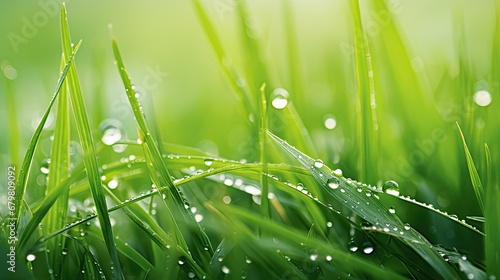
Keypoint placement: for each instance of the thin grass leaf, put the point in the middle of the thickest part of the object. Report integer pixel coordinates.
(491, 218)
(367, 120)
(369, 208)
(30, 151)
(58, 172)
(88, 150)
(264, 206)
(474, 175)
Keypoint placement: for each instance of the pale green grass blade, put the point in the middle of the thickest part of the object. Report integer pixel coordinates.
(265, 210)
(369, 207)
(367, 120)
(58, 172)
(474, 175)
(88, 150)
(30, 151)
(491, 218)
(164, 179)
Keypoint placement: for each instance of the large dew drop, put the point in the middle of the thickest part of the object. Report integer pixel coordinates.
(279, 98)
(391, 187)
(318, 163)
(368, 248)
(482, 98)
(333, 183)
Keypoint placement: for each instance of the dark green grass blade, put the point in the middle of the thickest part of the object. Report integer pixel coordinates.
(491, 218)
(474, 175)
(370, 209)
(30, 151)
(58, 172)
(88, 150)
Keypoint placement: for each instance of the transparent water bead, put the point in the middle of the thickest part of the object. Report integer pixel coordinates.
(225, 269)
(30, 257)
(111, 135)
(392, 210)
(44, 166)
(482, 98)
(368, 248)
(391, 187)
(337, 172)
(279, 98)
(208, 161)
(318, 163)
(352, 245)
(333, 183)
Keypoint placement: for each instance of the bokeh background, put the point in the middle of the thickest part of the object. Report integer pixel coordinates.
(450, 59)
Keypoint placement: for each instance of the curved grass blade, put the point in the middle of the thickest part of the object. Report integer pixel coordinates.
(491, 218)
(265, 210)
(30, 151)
(368, 207)
(474, 175)
(88, 150)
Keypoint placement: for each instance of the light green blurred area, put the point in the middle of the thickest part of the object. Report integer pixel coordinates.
(194, 104)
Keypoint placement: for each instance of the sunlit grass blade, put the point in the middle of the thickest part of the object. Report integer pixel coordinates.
(368, 207)
(58, 172)
(265, 210)
(30, 151)
(164, 179)
(367, 120)
(88, 150)
(474, 175)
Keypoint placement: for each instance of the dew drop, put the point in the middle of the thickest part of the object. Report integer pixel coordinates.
(392, 210)
(198, 218)
(30, 257)
(44, 166)
(225, 269)
(279, 98)
(113, 184)
(208, 161)
(391, 187)
(337, 172)
(328, 258)
(330, 123)
(111, 135)
(368, 248)
(180, 262)
(333, 183)
(353, 246)
(318, 163)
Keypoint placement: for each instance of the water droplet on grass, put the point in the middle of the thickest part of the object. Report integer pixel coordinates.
(30, 257)
(337, 172)
(353, 246)
(392, 210)
(318, 163)
(391, 187)
(225, 269)
(44, 166)
(330, 123)
(279, 98)
(113, 184)
(368, 248)
(208, 161)
(198, 217)
(111, 135)
(333, 183)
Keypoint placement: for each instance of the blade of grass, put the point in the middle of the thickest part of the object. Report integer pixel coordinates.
(474, 175)
(264, 206)
(164, 178)
(369, 208)
(88, 150)
(22, 180)
(367, 120)
(58, 172)
(491, 218)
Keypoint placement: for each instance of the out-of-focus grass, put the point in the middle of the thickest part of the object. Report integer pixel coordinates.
(375, 92)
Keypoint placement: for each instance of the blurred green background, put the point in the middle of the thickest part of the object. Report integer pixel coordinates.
(449, 47)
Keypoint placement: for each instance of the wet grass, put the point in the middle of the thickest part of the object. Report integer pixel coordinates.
(288, 210)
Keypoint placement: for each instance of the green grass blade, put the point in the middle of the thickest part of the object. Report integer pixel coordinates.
(491, 218)
(265, 210)
(58, 172)
(88, 150)
(30, 151)
(369, 208)
(474, 175)
(367, 135)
